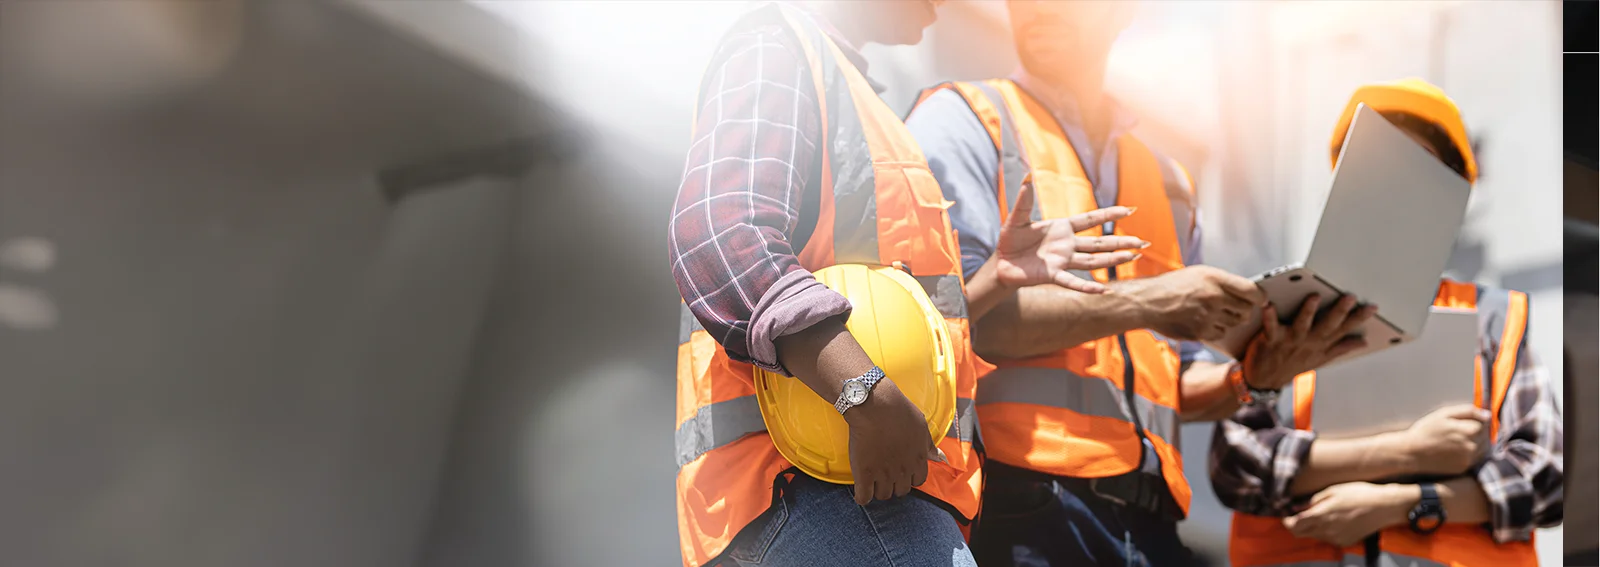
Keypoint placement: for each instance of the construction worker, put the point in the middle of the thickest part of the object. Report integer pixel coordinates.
(796, 165)
(1438, 493)
(1080, 415)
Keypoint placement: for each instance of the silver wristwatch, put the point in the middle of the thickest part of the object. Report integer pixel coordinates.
(856, 390)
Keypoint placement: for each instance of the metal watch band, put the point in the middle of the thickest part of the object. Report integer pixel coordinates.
(868, 379)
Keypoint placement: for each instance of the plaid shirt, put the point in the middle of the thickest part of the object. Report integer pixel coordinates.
(749, 194)
(1255, 457)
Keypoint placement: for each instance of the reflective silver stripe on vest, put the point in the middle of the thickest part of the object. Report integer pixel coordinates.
(855, 187)
(716, 425)
(965, 426)
(945, 291)
(1061, 388)
(687, 323)
(1013, 161)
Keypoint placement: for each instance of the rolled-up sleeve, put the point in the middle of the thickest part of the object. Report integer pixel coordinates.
(1523, 475)
(1254, 458)
(966, 164)
(738, 204)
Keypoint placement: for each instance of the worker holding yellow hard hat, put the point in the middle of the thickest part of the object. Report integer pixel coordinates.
(827, 175)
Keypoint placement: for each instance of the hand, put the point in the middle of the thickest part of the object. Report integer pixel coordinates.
(1035, 253)
(1277, 354)
(1197, 303)
(1448, 441)
(889, 444)
(1345, 514)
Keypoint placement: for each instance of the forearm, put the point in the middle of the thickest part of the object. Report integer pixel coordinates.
(1205, 392)
(823, 356)
(1337, 461)
(984, 291)
(1462, 498)
(1040, 320)
(1464, 501)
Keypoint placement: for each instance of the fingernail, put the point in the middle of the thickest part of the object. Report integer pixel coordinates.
(1136, 257)
(941, 458)
(1131, 210)
(1144, 246)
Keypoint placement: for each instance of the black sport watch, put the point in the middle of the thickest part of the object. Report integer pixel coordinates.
(1428, 515)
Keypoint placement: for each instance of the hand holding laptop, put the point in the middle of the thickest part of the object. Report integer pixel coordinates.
(1280, 352)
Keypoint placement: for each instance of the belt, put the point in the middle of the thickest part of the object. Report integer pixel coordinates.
(1134, 490)
(1137, 490)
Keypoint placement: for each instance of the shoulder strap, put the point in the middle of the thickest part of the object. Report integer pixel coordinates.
(986, 102)
(1504, 318)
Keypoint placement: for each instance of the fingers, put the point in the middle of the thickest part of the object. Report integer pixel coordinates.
(1097, 217)
(1346, 346)
(1465, 411)
(1022, 211)
(863, 490)
(1355, 321)
(1307, 315)
(1075, 283)
(1107, 243)
(1081, 261)
(902, 487)
(1271, 329)
(1334, 318)
(883, 489)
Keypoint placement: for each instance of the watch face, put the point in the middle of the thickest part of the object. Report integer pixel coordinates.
(855, 392)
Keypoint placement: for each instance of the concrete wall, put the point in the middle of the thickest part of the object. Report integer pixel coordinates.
(219, 343)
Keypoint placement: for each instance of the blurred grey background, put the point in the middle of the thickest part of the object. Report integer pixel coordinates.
(383, 282)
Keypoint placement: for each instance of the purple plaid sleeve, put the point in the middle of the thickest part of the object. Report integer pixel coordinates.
(738, 204)
(1254, 457)
(1523, 476)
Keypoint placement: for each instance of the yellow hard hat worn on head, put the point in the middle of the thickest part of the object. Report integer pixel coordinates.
(904, 334)
(1418, 98)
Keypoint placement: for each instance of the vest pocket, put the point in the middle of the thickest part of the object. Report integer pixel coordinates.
(918, 227)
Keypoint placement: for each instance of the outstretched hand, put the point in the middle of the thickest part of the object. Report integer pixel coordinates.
(1033, 253)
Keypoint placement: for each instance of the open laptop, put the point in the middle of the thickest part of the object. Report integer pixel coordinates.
(1389, 390)
(1386, 232)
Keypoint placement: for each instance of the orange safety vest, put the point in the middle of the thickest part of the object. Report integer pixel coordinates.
(1259, 541)
(1081, 412)
(880, 205)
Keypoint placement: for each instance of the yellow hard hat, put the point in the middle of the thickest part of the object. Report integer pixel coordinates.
(1412, 96)
(902, 332)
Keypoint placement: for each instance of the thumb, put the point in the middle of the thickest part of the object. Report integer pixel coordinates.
(936, 454)
(1022, 211)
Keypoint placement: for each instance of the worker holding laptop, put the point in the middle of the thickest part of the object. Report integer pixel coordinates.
(1464, 485)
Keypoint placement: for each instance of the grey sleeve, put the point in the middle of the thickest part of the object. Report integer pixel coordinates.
(964, 161)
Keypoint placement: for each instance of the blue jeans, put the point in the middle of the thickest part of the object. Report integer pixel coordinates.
(818, 523)
(1033, 521)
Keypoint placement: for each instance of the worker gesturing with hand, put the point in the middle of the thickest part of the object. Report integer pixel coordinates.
(889, 445)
